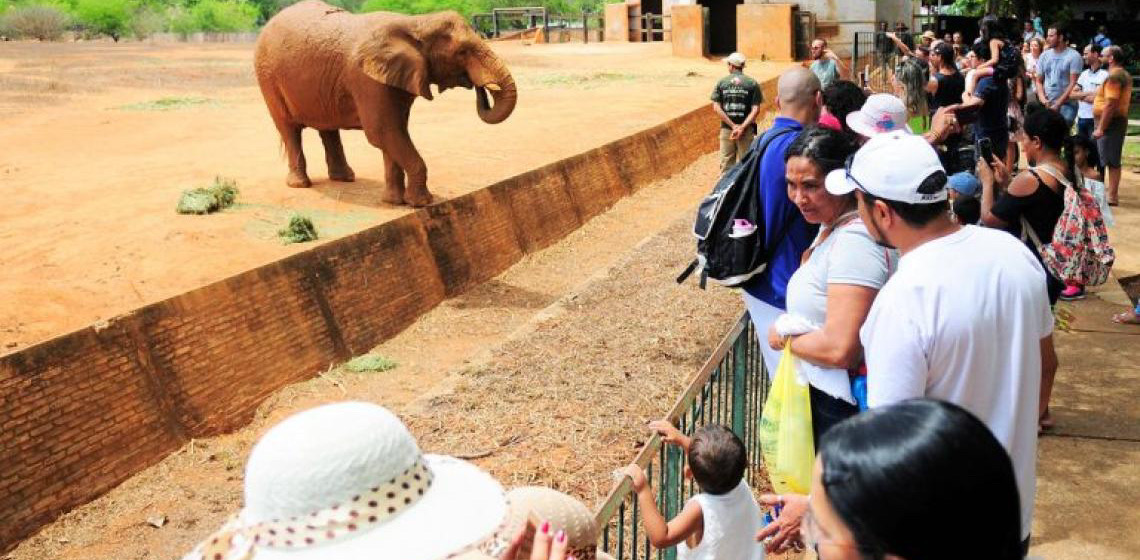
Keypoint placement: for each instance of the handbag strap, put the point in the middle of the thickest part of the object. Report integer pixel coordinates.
(1027, 233)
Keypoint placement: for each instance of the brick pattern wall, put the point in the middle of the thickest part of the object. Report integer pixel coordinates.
(81, 413)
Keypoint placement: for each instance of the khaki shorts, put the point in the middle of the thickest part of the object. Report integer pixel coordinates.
(731, 151)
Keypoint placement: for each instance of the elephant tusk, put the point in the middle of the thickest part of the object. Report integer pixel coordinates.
(493, 87)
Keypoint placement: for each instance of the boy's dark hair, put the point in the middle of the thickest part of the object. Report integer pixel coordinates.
(917, 215)
(717, 459)
(968, 209)
(981, 50)
(841, 98)
(1092, 159)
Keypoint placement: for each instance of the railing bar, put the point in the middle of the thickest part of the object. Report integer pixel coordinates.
(621, 532)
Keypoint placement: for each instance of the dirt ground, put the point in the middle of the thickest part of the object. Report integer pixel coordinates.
(495, 373)
(98, 140)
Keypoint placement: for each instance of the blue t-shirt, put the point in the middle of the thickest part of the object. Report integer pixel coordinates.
(992, 118)
(771, 285)
(1055, 69)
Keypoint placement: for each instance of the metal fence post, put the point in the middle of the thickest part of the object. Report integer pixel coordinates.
(739, 379)
(674, 467)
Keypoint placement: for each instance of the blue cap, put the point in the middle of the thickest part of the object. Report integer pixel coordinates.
(965, 183)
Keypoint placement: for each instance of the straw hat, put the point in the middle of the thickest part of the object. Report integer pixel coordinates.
(535, 504)
(346, 481)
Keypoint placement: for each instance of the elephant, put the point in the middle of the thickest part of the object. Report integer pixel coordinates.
(321, 67)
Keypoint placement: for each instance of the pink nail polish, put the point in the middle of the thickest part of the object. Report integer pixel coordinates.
(545, 528)
(560, 537)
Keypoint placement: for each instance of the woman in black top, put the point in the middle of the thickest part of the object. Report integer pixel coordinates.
(947, 84)
(1036, 196)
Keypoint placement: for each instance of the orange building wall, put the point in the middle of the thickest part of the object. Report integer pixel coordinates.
(688, 31)
(765, 31)
(617, 23)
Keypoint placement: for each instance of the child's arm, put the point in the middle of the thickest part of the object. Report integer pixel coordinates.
(995, 53)
(1093, 173)
(670, 434)
(660, 533)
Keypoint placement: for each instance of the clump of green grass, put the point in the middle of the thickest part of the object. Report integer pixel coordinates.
(369, 362)
(166, 104)
(205, 200)
(299, 230)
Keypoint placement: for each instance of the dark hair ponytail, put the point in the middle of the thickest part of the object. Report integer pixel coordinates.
(1068, 153)
(899, 478)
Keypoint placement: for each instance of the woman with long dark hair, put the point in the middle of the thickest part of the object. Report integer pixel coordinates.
(1032, 204)
(894, 483)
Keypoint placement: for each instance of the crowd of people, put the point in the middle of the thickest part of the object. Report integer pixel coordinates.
(919, 239)
(908, 251)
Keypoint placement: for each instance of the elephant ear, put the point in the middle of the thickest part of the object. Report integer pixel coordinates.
(392, 56)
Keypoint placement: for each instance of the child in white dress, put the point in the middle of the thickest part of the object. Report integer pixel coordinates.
(721, 522)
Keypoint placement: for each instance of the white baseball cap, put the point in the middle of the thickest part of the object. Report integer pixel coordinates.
(881, 112)
(735, 59)
(890, 166)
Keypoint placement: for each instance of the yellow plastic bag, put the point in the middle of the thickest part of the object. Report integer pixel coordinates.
(785, 430)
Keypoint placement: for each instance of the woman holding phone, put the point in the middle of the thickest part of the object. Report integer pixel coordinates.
(1032, 204)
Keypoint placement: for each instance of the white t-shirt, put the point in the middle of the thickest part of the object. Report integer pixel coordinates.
(847, 256)
(961, 321)
(731, 521)
(1089, 81)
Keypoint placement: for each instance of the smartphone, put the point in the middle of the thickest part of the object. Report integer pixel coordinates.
(987, 147)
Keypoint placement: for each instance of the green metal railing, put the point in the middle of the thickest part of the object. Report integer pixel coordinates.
(730, 389)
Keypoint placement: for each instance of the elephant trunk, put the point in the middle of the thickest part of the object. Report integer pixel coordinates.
(502, 87)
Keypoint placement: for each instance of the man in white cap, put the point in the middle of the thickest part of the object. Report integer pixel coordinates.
(736, 100)
(965, 318)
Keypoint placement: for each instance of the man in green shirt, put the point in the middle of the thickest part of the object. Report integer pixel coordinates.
(736, 100)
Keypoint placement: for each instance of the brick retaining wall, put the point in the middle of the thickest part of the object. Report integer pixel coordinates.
(81, 413)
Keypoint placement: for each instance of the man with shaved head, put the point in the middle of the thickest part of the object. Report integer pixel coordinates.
(786, 233)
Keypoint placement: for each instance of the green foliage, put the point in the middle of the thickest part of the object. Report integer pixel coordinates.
(218, 196)
(36, 20)
(299, 230)
(166, 104)
(216, 16)
(369, 362)
(470, 7)
(107, 17)
(147, 21)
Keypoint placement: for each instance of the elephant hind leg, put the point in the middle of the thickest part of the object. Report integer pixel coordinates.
(298, 176)
(334, 157)
(290, 137)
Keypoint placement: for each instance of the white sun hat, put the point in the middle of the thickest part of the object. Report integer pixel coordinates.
(891, 166)
(346, 481)
(881, 112)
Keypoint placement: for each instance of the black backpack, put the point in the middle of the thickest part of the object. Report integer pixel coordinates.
(726, 259)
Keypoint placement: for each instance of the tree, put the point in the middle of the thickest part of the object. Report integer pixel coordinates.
(107, 17)
(45, 22)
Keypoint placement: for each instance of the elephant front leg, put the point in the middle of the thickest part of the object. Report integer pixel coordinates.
(400, 148)
(393, 181)
(334, 157)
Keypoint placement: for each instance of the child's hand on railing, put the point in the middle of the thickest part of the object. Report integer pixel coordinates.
(635, 474)
(669, 433)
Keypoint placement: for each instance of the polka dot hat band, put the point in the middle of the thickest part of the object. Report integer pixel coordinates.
(366, 510)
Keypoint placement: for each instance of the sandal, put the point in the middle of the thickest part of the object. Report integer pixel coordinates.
(1126, 318)
(1046, 422)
